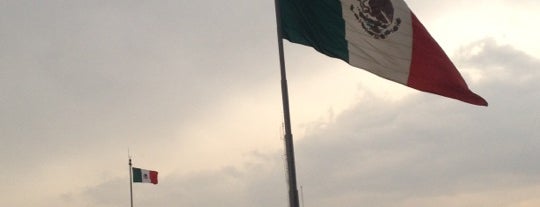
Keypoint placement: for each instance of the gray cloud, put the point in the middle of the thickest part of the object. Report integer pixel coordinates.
(429, 146)
(82, 80)
(78, 74)
(384, 153)
(256, 183)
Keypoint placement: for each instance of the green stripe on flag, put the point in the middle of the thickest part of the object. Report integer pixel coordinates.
(315, 23)
(137, 175)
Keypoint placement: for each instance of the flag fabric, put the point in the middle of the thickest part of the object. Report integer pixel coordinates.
(144, 176)
(383, 37)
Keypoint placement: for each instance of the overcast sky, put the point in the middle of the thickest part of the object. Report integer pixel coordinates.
(191, 88)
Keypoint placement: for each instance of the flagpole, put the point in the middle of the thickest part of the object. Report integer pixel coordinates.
(289, 147)
(130, 181)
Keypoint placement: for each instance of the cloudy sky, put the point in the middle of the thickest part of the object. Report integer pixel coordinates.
(191, 88)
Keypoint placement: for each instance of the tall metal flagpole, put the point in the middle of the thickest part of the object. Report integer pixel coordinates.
(289, 148)
(130, 181)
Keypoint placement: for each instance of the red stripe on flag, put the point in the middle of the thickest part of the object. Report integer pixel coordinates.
(432, 71)
(154, 177)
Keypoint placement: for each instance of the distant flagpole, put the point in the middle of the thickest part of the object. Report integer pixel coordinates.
(130, 181)
(289, 147)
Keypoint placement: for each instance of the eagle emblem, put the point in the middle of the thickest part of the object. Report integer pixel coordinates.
(376, 16)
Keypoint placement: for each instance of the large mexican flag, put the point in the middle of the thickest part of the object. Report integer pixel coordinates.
(381, 36)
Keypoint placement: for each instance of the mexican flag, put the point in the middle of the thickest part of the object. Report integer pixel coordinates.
(144, 176)
(381, 36)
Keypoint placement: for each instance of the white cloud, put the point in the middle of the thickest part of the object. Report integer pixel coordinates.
(183, 83)
(424, 150)
(428, 147)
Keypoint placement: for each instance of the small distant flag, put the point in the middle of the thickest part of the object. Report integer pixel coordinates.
(144, 176)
